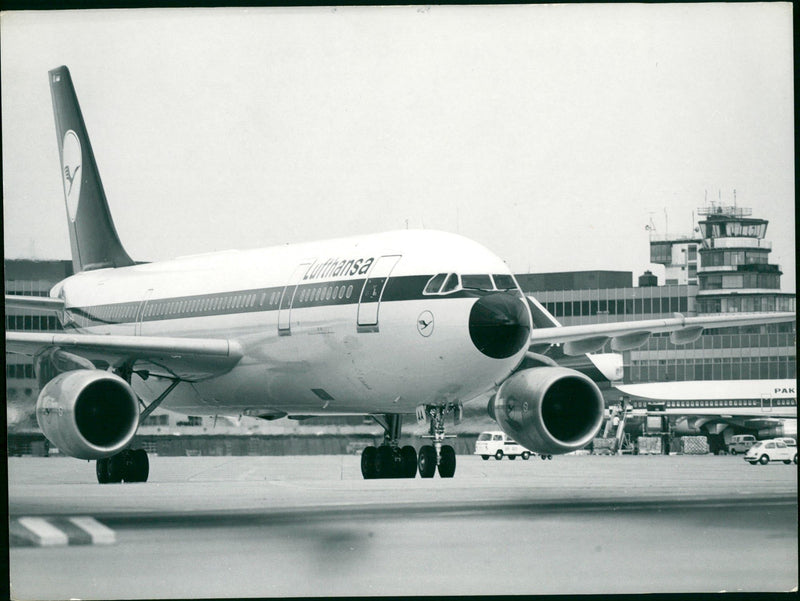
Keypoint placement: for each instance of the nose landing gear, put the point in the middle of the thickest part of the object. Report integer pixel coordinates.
(438, 455)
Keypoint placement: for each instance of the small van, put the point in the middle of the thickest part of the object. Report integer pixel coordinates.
(741, 443)
(498, 445)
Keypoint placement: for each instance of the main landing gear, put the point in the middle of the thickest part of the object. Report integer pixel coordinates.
(127, 466)
(389, 460)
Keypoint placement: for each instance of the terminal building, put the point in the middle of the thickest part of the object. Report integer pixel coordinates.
(725, 268)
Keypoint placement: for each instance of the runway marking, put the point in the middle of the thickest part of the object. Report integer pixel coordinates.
(59, 531)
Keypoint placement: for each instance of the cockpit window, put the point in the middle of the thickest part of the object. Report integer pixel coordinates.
(435, 283)
(504, 281)
(451, 283)
(478, 282)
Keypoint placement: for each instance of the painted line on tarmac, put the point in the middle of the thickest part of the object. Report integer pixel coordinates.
(59, 532)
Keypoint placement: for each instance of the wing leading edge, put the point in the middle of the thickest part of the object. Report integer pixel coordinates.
(628, 335)
(187, 358)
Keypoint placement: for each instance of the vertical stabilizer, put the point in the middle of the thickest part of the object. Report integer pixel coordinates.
(93, 239)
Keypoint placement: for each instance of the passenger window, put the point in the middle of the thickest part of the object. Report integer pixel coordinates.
(451, 283)
(435, 283)
(498, 437)
(771, 445)
(780, 445)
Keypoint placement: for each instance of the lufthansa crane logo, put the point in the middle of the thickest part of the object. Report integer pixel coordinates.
(71, 160)
(425, 323)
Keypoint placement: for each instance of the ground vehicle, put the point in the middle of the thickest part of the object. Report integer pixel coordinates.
(789, 442)
(771, 450)
(741, 443)
(497, 443)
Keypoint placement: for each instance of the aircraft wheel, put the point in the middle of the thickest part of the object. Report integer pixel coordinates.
(763, 460)
(526, 455)
(141, 466)
(447, 465)
(733, 451)
(498, 455)
(101, 469)
(544, 457)
(368, 457)
(116, 468)
(385, 463)
(426, 461)
(409, 461)
(550, 457)
(485, 457)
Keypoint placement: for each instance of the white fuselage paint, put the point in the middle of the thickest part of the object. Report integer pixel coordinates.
(388, 369)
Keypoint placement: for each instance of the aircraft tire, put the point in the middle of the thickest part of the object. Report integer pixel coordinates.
(409, 462)
(368, 457)
(116, 468)
(544, 457)
(763, 460)
(384, 462)
(426, 461)
(526, 455)
(141, 465)
(447, 465)
(101, 469)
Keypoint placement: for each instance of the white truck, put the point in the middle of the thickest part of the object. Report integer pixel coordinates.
(498, 445)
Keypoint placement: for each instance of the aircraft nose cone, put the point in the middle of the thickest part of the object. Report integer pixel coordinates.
(499, 325)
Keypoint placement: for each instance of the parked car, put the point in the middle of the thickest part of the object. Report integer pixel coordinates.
(741, 443)
(771, 450)
(789, 442)
(498, 445)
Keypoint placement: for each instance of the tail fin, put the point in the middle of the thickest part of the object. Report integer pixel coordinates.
(93, 239)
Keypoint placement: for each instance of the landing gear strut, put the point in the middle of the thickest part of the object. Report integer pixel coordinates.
(441, 456)
(389, 460)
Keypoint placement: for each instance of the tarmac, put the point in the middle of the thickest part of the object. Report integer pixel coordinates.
(311, 526)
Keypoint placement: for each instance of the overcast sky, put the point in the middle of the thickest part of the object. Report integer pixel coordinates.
(551, 134)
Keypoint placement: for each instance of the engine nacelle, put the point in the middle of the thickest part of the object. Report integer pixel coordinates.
(88, 413)
(549, 410)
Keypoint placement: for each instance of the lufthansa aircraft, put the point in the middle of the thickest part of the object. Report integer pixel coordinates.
(387, 325)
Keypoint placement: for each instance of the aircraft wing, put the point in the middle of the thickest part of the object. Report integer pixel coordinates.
(187, 358)
(34, 303)
(627, 335)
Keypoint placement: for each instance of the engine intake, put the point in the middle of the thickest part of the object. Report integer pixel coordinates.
(549, 410)
(88, 413)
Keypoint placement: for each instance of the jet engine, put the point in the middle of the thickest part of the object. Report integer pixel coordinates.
(88, 413)
(549, 410)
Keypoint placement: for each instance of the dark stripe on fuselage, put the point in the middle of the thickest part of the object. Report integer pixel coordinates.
(319, 294)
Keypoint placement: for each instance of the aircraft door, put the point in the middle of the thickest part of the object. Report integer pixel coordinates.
(766, 403)
(372, 293)
(287, 298)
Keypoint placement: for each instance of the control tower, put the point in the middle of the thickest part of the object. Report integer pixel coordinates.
(734, 273)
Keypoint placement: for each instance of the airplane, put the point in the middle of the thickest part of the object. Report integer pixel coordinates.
(388, 325)
(720, 408)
